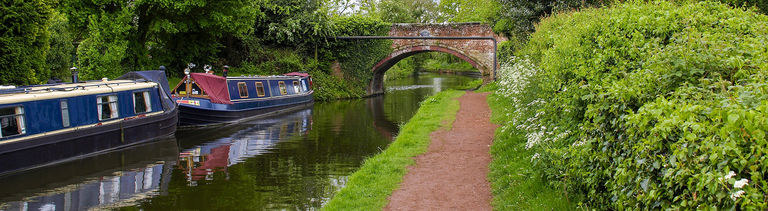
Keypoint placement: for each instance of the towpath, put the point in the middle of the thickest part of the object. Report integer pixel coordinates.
(452, 174)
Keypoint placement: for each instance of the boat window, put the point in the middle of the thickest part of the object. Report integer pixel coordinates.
(181, 89)
(65, 113)
(283, 90)
(196, 90)
(260, 89)
(141, 102)
(242, 89)
(107, 107)
(296, 87)
(12, 121)
(304, 85)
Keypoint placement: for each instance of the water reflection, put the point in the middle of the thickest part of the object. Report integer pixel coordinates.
(255, 138)
(104, 181)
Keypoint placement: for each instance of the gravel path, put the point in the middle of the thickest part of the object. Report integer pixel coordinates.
(452, 174)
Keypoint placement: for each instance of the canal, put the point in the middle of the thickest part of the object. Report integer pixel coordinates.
(292, 161)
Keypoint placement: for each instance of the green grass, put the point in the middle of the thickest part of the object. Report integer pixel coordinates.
(515, 182)
(373, 183)
(173, 81)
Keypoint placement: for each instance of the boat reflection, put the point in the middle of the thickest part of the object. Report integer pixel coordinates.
(104, 181)
(253, 138)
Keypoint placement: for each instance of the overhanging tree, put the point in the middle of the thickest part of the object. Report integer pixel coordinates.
(23, 41)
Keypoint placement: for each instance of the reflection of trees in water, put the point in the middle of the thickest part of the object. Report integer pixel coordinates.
(383, 125)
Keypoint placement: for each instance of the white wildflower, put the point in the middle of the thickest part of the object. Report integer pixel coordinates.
(535, 156)
(533, 139)
(579, 143)
(741, 183)
(737, 194)
(728, 176)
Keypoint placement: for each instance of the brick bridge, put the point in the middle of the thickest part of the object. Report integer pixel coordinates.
(465, 43)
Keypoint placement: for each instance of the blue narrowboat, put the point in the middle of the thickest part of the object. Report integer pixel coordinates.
(206, 99)
(48, 124)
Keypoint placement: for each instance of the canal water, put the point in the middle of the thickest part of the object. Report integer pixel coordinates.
(292, 161)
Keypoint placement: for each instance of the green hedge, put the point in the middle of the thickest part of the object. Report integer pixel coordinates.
(647, 105)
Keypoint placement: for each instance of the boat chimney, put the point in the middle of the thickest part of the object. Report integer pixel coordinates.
(74, 74)
(225, 69)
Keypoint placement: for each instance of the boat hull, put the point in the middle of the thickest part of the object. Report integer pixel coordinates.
(196, 116)
(78, 143)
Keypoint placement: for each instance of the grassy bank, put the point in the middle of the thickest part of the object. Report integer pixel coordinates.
(369, 187)
(515, 183)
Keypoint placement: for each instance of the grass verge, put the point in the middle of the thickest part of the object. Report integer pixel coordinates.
(370, 186)
(515, 182)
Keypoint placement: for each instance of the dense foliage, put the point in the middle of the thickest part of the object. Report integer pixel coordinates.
(761, 5)
(467, 10)
(355, 57)
(516, 18)
(647, 105)
(60, 54)
(24, 41)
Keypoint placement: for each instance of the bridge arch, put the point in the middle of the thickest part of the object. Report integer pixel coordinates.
(377, 86)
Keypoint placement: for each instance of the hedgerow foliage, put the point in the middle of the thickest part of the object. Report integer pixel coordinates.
(23, 41)
(356, 57)
(647, 105)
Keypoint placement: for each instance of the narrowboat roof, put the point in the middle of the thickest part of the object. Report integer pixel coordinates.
(215, 86)
(55, 91)
(263, 77)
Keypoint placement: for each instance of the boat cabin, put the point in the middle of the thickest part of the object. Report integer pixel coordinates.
(229, 90)
(36, 110)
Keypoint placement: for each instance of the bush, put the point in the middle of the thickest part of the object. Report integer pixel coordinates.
(355, 56)
(647, 105)
(761, 5)
(59, 56)
(105, 50)
(23, 41)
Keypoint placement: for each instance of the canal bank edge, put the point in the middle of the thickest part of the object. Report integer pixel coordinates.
(369, 187)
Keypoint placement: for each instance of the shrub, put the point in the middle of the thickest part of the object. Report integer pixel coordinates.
(105, 50)
(648, 105)
(23, 41)
(59, 56)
